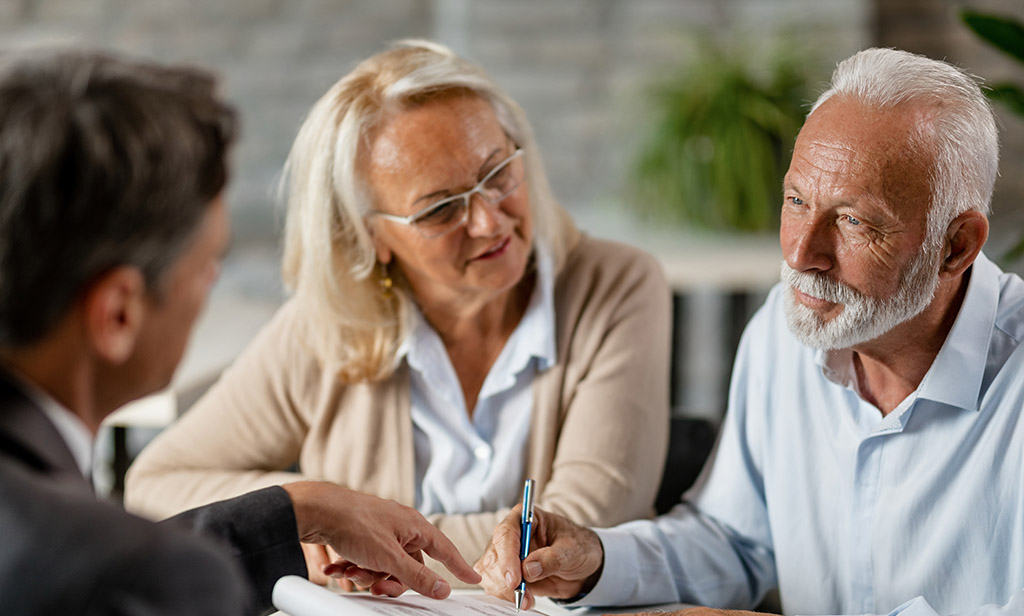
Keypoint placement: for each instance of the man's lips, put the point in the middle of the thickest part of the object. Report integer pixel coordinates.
(495, 250)
(812, 302)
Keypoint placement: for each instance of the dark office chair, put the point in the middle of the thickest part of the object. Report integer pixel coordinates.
(690, 442)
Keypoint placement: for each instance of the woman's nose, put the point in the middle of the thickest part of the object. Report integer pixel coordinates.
(485, 218)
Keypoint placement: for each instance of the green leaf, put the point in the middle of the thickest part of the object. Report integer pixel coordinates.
(1007, 94)
(1004, 33)
(1014, 253)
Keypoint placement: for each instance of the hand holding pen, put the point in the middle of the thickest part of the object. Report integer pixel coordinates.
(564, 559)
(524, 536)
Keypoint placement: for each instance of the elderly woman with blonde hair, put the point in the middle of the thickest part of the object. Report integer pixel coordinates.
(450, 333)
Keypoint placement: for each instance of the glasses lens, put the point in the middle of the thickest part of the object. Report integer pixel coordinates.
(442, 216)
(445, 215)
(501, 181)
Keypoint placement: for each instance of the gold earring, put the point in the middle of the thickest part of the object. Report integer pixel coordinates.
(386, 283)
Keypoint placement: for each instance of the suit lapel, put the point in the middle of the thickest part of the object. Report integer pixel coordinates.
(27, 434)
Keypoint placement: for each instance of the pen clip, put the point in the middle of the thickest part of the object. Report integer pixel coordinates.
(528, 502)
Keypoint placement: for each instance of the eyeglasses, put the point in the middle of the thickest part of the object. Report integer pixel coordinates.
(451, 212)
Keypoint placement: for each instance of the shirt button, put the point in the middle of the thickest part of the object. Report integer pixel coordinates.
(482, 453)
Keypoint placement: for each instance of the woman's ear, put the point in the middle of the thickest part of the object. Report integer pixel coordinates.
(113, 310)
(380, 246)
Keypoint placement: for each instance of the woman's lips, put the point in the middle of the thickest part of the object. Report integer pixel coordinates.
(494, 251)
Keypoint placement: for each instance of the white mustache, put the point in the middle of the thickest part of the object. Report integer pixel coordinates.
(819, 286)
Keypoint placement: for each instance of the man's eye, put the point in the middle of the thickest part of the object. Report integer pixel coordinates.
(853, 221)
(796, 200)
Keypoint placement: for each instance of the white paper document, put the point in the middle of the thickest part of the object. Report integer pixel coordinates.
(297, 596)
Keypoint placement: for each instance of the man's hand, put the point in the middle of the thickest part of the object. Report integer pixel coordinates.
(565, 558)
(378, 541)
(319, 559)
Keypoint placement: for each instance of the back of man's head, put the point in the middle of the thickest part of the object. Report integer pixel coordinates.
(104, 162)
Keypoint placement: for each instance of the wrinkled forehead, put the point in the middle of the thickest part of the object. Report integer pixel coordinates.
(443, 124)
(886, 151)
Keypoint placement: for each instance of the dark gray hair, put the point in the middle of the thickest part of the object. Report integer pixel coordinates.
(104, 162)
(961, 127)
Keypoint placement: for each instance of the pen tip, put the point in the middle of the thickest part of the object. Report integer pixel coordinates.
(519, 599)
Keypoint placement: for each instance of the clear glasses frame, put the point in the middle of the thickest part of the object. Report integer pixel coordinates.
(445, 220)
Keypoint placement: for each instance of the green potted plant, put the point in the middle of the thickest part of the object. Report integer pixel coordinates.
(1007, 35)
(719, 141)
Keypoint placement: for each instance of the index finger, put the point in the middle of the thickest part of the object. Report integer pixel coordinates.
(506, 546)
(417, 576)
(441, 549)
(499, 565)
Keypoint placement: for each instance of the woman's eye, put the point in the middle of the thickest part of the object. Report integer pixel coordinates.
(498, 179)
(440, 212)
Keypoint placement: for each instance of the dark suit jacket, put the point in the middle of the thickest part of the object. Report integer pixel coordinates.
(62, 551)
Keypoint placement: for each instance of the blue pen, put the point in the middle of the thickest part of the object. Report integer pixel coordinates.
(524, 536)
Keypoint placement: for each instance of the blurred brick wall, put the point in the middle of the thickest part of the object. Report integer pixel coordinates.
(578, 67)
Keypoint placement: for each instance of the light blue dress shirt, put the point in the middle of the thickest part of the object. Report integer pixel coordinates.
(811, 489)
(471, 464)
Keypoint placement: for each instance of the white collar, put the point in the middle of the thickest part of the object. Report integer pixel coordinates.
(71, 428)
(535, 331)
(963, 353)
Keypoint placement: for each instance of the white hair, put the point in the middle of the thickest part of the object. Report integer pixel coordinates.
(960, 127)
(329, 256)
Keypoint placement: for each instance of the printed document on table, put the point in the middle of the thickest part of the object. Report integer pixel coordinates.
(297, 596)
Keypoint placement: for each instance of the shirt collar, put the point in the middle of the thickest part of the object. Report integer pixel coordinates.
(534, 336)
(956, 375)
(962, 355)
(70, 427)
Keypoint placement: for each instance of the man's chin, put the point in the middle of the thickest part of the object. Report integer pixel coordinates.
(814, 329)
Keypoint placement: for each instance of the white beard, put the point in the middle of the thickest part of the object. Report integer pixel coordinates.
(862, 318)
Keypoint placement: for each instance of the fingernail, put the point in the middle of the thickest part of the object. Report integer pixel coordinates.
(533, 570)
(509, 580)
(440, 589)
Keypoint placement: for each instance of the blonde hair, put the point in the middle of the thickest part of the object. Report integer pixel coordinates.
(329, 257)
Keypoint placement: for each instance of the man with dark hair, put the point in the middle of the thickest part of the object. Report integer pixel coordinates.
(112, 226)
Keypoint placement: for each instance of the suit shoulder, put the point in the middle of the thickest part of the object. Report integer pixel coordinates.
(68, 552)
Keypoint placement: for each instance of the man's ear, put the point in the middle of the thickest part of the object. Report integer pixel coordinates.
(114, 307)
(964, 238)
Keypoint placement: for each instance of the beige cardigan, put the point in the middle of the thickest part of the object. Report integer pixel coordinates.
(597, 440)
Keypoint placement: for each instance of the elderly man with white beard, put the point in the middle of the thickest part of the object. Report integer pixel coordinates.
(871, 458)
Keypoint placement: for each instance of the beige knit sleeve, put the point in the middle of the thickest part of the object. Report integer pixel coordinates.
(240, 436)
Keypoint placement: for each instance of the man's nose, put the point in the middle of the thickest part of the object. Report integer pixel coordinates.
(807, 244)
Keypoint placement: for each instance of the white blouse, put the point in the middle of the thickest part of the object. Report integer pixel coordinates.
(470, 464)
